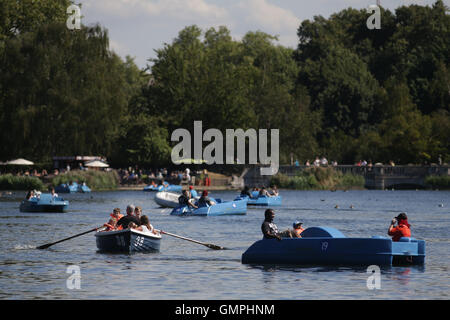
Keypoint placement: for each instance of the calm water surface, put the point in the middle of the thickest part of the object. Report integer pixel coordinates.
(184, 270)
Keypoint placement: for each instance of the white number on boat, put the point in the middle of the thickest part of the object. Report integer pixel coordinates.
(324, 246)
(139, 241)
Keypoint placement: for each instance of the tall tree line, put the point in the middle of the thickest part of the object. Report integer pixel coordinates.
(345, 92)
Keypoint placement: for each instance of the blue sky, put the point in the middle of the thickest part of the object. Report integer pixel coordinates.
(138, 27)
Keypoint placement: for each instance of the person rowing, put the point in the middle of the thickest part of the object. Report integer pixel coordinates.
(130, 217)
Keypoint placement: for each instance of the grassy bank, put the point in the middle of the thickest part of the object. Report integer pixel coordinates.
(11, 182)
(319, 179)
(438, 182)
(96, 180)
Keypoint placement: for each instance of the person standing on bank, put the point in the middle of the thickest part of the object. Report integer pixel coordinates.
(268, 228)
(402, 229)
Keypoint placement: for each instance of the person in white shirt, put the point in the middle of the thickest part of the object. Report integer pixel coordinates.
(146, 226)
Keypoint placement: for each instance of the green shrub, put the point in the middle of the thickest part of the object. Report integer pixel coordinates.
(438, 182)
(318, 179)
(94, 179)
(11, 182)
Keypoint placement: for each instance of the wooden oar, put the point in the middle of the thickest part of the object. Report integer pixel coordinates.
(45, 246)
(209, 245)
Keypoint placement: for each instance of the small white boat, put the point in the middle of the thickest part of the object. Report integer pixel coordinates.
(167, 199)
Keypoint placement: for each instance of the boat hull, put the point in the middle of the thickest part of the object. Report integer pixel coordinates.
(236, 207)
(265, 201)
(127, 241)
(335, 249)
(167, 199)
(172, 188)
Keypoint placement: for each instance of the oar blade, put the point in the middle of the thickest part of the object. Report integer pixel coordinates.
(45, 246)
(215, 247)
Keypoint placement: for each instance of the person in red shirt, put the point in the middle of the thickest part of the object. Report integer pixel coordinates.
(402, 229)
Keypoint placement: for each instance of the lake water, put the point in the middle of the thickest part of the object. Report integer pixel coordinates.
(184, 270)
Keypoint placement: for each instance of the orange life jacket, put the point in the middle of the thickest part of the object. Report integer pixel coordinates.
(114, 218)
(108, 227)
(298, 231)
(400, 231)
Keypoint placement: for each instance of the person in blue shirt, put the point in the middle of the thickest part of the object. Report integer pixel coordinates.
(193, 192)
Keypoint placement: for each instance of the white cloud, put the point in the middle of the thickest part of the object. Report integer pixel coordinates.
(180, 9)
(269, 16)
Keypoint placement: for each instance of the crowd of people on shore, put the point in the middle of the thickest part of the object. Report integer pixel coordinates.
(137, 176)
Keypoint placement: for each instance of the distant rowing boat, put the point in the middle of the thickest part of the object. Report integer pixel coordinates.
(45, 203)
(127, 241)
(171, 187)
(235, 207)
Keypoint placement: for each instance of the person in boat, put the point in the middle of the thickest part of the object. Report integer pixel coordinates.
(186, 200)
(298, 229)
(154, 184)
(54, 194)
(193, 192)
(246, 192)
(274, 190)
(138, 212)
(130, 217)
(145, 226)
(30, 194)
(268, 227)
(264, 192)
(403, 228)
(115, 217)
(205, 200)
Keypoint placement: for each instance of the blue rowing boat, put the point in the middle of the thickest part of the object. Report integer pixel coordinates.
(263, 200)
(328, 246)
(221, 208)
(45, 203)
(127, 241)
(159, 188)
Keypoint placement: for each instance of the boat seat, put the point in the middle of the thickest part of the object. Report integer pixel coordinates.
(322, 232)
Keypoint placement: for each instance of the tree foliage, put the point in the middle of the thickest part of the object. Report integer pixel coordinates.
(346, 92)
